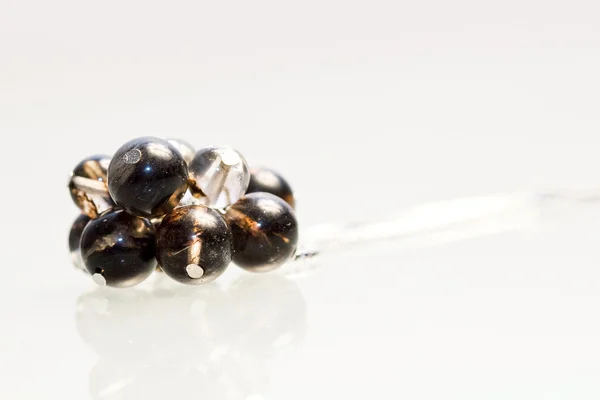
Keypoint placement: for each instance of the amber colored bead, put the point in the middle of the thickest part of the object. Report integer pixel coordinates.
(265, 231)
(194, 244)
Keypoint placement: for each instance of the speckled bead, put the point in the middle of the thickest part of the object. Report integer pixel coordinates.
(147, 177)
(194, 244)
(265, 231)
(88, 187)
(118, 249)
(266, 180)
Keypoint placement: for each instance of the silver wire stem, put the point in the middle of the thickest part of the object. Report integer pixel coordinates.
(439, 222)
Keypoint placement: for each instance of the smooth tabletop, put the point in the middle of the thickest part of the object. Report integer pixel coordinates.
(368, 108)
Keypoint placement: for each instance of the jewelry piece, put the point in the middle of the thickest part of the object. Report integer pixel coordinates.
(118, 241)
(138, 213)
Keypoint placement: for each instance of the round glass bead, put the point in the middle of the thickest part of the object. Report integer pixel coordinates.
(74, 238)
(193, 244)
(147, 177)
(219, 176)
(267, 180)
(118, 249)
(265, 231)
(88, 185)
(186, 149)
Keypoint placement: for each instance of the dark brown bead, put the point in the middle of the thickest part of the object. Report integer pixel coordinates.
(269, 181)
(194, 244)
(74, 238)
(118, 249)
(265, 231)
(88, 185)
(147, 177)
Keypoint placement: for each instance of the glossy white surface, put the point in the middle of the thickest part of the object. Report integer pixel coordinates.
(368, 109)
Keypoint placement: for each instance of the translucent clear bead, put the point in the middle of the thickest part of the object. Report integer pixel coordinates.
(219, 176)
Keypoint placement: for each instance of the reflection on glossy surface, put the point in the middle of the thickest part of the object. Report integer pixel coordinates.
(207, 342)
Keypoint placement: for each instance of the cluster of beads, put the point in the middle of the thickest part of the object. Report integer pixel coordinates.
(192, 213)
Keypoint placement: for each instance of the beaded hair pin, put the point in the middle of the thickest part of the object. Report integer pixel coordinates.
(159, 205)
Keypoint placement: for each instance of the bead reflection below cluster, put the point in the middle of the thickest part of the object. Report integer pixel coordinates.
(156, 203)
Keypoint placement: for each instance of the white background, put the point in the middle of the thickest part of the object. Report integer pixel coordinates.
(367, 107)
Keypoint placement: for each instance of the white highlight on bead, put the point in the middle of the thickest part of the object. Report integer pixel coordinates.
(99, 279)
(132, 156)
(194, 271)
(230, 157)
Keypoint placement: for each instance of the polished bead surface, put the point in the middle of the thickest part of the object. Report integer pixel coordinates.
(194, 244)
(88, 186)
(265, 231)
(147, 177)
(74, 238)
(219, 176)
(118, 249)
(269, 181)
(186, 149)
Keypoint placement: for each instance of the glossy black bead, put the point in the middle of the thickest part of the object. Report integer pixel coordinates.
(269, 181)
(75, 237)
(194, 244)
(265, 231)
(118, 249)
(147, 177)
